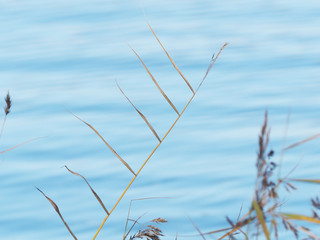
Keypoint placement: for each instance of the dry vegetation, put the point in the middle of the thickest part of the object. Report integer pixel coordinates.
(264, 216)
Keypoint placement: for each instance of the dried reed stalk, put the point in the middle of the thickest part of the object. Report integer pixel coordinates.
(164, 137)
(19, 145)
(196, 227)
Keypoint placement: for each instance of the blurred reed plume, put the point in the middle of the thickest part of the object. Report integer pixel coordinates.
(150, 232)
(265, 215)
(7, 109)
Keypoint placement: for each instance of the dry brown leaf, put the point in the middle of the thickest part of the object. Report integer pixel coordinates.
(171, 60)
(55, 206)
(155, 82)
(112, 150)
(143, 117)
(94, 193)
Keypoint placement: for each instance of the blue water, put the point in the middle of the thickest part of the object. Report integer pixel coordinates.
(66, 55)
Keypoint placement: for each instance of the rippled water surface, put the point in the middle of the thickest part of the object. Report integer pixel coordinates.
(59, 56)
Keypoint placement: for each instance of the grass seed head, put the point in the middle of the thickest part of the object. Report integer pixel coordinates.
(8, 104)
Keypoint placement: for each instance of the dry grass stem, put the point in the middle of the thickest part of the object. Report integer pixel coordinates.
(214, 59)
(143, 117)
(302, 142)
(132, 226)
(196, 227)
(58, 211)
(261, 218)
(19, 145)
(108, 145)
(150, 155)
(155, 82)
(307, 231)
(94, 193)
(171, 60)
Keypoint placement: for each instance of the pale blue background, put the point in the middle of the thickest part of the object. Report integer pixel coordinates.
(58, 55)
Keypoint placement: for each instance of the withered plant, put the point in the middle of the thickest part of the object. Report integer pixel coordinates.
(265, 216)
(150, 232)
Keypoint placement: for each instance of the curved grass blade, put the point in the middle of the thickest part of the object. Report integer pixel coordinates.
(58, 211)
(211, 64)
(141, 115)
(306, 180)
(112, 150)
(94, 193)
(155, 82)
(261, 218)
(302, 142)
(171, 60)
(300, 217)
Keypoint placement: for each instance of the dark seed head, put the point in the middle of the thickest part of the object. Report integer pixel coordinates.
(8, 104)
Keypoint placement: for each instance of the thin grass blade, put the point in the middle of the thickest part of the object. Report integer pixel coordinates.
(300, 217)
(306, 180)
(58, 211)
(211, 64)
(171, 60)
(261, 218)
(302, 142)
(108, 145)
(134, 223)
(196, 227)
(141, 115)
(310, 234)
(19, 145)
(155, 82)
(94, 193)
(228, 233)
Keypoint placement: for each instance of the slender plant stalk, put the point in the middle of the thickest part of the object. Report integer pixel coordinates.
(164, 137)
(2, 127)
(19, 145)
